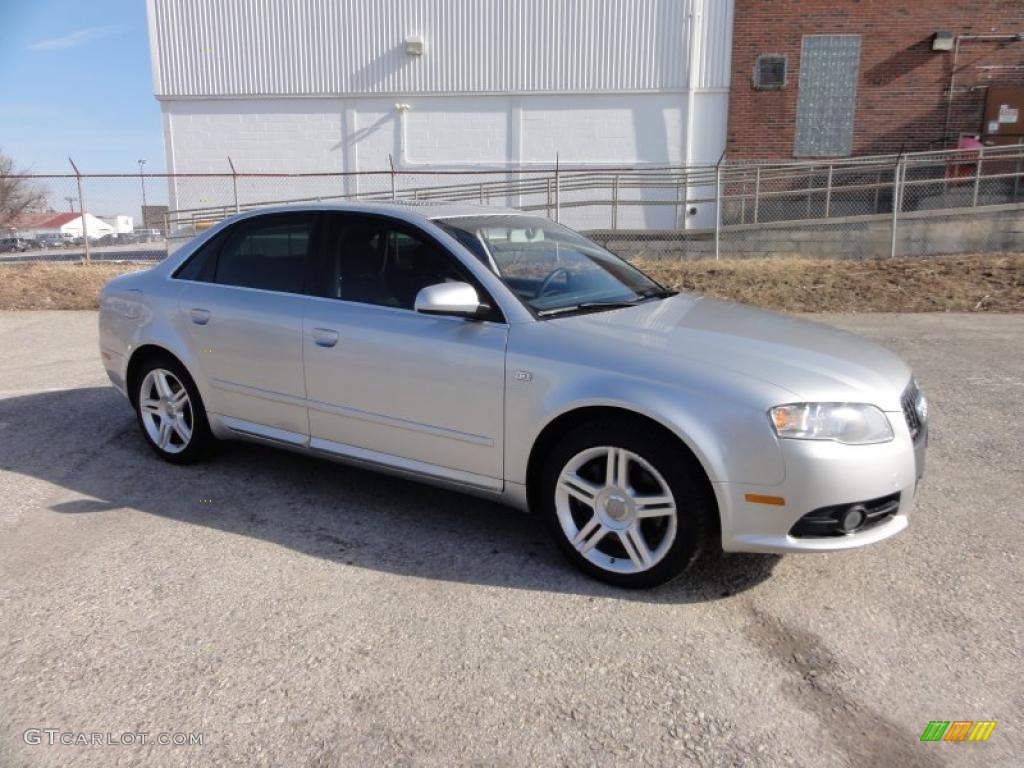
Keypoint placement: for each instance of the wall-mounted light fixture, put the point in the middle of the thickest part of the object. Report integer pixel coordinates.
(414, 45)
(942, 41)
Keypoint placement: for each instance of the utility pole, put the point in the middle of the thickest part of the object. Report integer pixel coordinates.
(81, 208)
(71, 203)
(142, 181)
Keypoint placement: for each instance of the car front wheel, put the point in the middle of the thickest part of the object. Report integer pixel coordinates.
(630, 509)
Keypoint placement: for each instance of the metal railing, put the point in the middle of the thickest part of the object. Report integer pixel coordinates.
(547, 191)
(734, 208)
(872, 181)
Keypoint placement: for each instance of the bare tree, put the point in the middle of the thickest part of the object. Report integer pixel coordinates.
(18, 195)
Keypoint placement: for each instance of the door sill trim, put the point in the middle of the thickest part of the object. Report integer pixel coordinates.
(376, 460)
(409, 467)
(263, 432)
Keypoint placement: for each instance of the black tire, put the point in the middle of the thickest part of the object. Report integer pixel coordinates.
(696, 509)
(201, 439)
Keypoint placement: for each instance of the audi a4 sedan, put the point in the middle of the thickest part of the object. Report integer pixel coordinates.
(504, 355)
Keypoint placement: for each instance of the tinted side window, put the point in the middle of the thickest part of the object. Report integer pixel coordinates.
(268, 253)
(373, 261)
(201, 264)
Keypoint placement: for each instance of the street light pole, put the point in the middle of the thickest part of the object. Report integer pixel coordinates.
(142, 181)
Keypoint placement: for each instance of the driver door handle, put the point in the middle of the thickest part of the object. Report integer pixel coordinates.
(324, 337)
(200, 316)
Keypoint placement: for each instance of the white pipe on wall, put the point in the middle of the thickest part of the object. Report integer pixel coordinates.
(694, 50)
(691, 74)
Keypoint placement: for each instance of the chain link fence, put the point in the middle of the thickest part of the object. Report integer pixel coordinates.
(916, 204)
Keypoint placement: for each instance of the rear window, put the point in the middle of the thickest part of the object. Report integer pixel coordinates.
(269, 253)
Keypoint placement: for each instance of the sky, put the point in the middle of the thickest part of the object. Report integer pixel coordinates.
(75, 80)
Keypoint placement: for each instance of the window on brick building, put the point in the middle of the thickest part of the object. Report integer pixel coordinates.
(827, 97)
(770, 72)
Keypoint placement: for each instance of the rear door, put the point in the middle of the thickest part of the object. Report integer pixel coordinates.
(243, 310)
(391, 385)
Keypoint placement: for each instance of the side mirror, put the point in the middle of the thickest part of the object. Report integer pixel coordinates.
(456, 299)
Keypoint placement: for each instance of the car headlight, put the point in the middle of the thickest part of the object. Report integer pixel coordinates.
(850, 423)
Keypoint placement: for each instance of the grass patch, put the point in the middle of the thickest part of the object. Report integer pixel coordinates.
(972, 283)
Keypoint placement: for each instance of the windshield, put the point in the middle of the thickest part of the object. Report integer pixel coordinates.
(551, 268)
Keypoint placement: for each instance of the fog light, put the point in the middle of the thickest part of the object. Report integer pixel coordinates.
(853, 518)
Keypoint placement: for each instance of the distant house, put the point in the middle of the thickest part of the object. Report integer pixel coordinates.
(121, 224)
(64, 224)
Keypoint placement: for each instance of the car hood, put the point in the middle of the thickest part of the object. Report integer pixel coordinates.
(814, 362)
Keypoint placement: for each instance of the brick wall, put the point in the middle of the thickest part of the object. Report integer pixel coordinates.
(901, 101)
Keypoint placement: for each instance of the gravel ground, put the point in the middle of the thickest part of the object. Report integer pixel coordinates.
(301, 613)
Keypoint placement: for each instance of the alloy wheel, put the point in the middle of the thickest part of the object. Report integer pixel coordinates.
(166, 411)
(616, 510)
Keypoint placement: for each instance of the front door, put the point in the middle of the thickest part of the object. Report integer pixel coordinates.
(387, 384)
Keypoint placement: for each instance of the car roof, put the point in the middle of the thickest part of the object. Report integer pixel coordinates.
(412, 210)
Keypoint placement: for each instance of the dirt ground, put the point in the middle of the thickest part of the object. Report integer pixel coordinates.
(57, 285)
(971, 283)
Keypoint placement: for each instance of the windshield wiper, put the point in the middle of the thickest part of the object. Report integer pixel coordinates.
(584, 306)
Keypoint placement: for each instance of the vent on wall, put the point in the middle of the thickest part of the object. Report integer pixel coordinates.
(770, 72)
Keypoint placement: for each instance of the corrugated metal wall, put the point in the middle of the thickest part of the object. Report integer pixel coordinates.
(714, 41)
(305, 47)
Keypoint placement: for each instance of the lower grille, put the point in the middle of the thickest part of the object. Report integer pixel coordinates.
(844, 519)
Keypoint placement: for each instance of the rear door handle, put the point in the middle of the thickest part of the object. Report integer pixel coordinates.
(325, 337)
(200, 316)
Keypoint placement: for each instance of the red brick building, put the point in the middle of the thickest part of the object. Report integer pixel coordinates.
(832, 78)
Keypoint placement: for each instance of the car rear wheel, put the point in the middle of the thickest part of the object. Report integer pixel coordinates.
(630, 509)
(170, 411)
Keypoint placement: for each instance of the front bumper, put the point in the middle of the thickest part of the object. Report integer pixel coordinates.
(824, 474)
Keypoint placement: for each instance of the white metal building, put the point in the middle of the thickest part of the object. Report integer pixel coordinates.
(351, 85)
(120, 224)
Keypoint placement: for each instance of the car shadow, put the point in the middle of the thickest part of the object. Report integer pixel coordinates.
(86, 441)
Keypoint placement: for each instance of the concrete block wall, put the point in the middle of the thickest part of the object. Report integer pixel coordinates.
(932, 233)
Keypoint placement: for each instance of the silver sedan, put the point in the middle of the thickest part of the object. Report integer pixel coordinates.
(504, 355)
